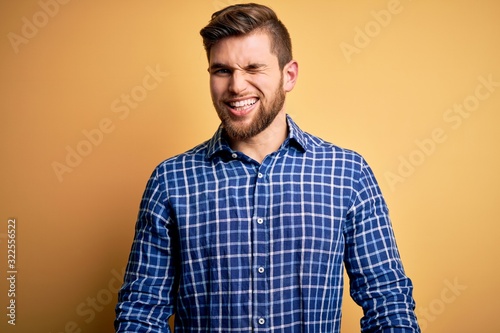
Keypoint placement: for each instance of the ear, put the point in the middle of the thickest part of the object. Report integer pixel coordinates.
(290, 74)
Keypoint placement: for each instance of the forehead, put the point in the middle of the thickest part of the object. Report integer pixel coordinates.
(243, 49)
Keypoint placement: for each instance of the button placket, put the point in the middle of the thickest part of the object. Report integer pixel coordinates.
(261, 248)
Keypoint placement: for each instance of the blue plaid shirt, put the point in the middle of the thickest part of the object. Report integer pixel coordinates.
(231, 245)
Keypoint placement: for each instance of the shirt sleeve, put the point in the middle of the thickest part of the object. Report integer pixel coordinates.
(378, 282)
(147, 297)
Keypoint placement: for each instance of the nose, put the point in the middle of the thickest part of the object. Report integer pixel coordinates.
(238, 82)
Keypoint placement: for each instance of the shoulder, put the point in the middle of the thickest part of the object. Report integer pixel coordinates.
(193, 158)
(320, 147)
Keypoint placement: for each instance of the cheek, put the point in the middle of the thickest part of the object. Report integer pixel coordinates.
(217, 87)
(267, 91)
(267, 85)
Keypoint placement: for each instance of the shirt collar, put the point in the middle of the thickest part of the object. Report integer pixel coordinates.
(218, 144)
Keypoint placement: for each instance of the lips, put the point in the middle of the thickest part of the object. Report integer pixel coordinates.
(242, 107)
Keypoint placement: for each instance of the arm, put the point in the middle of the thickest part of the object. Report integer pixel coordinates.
(377, 280)
(147, 297)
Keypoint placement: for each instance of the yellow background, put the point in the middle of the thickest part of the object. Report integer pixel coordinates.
(388, 98)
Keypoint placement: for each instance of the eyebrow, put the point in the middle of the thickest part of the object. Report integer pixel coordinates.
(252, 66)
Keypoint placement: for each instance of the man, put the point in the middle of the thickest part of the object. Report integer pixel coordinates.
(250, 231)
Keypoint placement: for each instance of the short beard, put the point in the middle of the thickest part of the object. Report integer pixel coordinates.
(263, 119)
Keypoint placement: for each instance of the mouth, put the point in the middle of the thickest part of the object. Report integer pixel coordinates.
(242, 107)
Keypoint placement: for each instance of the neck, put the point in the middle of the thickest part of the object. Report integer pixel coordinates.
(266, 142)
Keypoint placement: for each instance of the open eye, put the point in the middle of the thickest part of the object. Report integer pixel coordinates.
(222, 71)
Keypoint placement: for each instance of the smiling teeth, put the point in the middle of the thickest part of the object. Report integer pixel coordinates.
(246, 102)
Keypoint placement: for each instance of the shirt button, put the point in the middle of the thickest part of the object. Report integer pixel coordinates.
(260, 175)
(262, 321)
(260, 221)
(261, 269)
(234, 155)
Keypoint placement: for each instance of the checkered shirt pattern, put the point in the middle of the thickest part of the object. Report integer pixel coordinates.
(231, 245)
